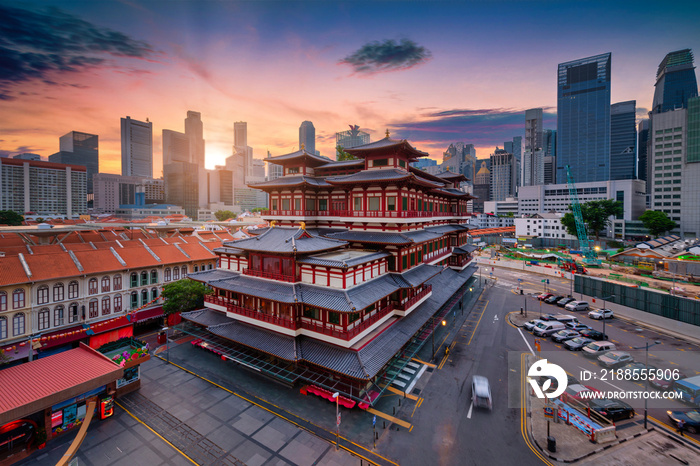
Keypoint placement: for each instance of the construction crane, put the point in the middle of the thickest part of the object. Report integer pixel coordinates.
(590, 257)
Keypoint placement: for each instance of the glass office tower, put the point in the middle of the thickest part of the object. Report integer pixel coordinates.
(675, 82)
(583, 119)
(623, 141)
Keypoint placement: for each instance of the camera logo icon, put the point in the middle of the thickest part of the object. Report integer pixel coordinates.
(542, 368)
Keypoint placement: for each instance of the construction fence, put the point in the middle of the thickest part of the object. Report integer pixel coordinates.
(678, 308)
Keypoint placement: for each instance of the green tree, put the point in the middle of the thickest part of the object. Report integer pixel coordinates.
(342, 155)
(657, 222)
(11, 218)
(596, 215)
(222, 215)
(184, 295)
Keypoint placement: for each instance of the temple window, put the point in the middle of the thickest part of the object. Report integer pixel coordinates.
(311, 313)
(333, 318)
(357, 203)
(391, 203)
(322, 204)
(293, 170)
(373, 203)
(381, 162)
(285, 204)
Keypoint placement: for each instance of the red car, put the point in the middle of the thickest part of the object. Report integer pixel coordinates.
(544, 296)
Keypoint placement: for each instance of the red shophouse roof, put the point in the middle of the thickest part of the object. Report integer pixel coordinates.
(40, 384)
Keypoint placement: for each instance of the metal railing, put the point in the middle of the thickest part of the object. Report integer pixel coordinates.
(364, 213)
(285, 322)
(270, 275)
(422, 293)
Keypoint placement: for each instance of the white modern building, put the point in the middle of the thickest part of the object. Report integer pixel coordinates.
(479, 221)
(506, 207)
(542, 226)
(137, 148)
(555, 197)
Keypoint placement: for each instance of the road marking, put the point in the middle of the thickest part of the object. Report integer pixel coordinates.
(469, 414)
(399, 392)
(495, 318)
(477, 324)
(526, 342)
(388, 417)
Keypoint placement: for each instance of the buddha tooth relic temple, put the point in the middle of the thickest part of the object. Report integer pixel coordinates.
(361, 261)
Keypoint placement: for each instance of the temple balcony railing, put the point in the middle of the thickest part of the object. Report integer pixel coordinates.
(286, 322)
(435, 255)
(363, 213)
(270, 275)
(350, 333)
(420, 295)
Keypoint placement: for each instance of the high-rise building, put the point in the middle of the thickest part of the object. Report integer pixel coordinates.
(515, 147)
(194, 129)
(137, 147)
(241, 162)
(180, 172)
(461, 158)
(176, 147)
(76, 148)
(549, 143)
(642, 140)
(351, 138)
(583, 118)
(673, 160)
(111, 191)
(274, 171)
(533, 157)
(675, 82)
(623, 141)
(503, 175)
(482, 186)
(307, 137)
(41, 188)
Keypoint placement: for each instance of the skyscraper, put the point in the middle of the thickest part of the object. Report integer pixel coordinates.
(642, 149)
(503, 175)
(76, 148)
(194, 129)
(515, 147)
(623, 141)
(307, 137)
(137, 147)
(583, 118)
(549, 144)
(673, 154)
(352, 138)
(482, 186)
(461, 158)
(180, 172)
(241, 162)
(675, 82)
(533, 158)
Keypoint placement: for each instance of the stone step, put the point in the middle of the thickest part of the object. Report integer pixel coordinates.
(398, 383)
(405, 377)
(414, 365)
(410, 371)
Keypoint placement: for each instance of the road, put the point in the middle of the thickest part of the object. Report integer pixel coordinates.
(629, 336)
(446, 429)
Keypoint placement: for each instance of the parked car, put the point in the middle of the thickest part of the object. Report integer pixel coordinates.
(578, 326)
(564, 301)
(575, 391)
(545, 329)
(668, 381)
(553, 299)
(544, 296)
(481, 392)
(596, 348)
(637, 368)
(691, 419)
(530, 325)
(577, 306)
(601, 314)
(566, 318)
(563, 335)
(548, 317)
(611, 408)
(613, 359)
(576, 343)
(593, 334)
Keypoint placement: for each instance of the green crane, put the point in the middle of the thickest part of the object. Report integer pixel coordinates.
(590, 257)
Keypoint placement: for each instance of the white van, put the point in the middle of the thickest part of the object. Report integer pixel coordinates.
(481, 392)
(566, 319)
(596, 348)
(545, 329)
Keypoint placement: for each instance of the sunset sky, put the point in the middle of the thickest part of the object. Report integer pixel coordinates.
(432, 72)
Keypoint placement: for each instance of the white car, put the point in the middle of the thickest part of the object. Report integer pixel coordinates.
(577, 306)
(601, 314)
(530, 325)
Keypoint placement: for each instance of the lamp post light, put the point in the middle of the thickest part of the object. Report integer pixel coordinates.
(646, 364)
(603, 316)
(336, 395)
(167, 344)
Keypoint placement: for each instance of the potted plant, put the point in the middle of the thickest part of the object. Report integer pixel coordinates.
(41, 438)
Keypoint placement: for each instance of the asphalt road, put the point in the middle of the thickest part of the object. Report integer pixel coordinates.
(446, 429)
(629, 336)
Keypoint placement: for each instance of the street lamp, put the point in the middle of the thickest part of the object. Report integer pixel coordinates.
(646, 364)
(336, 395)
(602, 315)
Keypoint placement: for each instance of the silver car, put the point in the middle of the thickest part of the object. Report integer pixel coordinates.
(481, 392)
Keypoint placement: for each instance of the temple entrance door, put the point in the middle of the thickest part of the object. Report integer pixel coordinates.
(338, 204)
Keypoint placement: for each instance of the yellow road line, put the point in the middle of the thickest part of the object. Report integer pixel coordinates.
(674, 429)
(477, 324)
(399, 392)
(423, 362)
(160, 436)
(416, 407)
(388, 417)
(283, 417)
(508, 320)
(523, 413)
